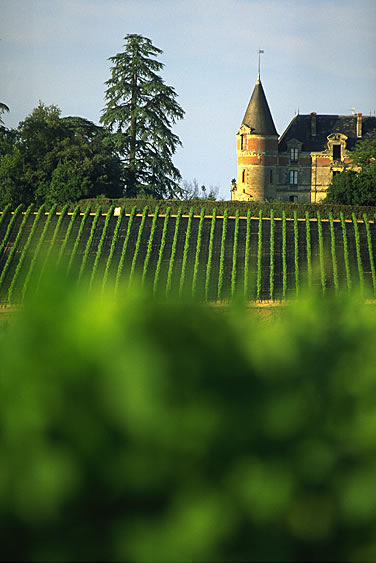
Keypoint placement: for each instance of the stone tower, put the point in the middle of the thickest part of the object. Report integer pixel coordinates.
(257, 151)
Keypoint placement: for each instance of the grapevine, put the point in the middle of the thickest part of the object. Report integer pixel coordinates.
(124, 249)
(161, 249)
(150, 245)
(271, 277)
(346, 253)
(259, 255)
(321, 250)
(100, 246)
(4, 214)
(370, 252)
(358, 255)
(222, 256)
(309, 249)
(37, 250)
(246, 256)
(296, 253)
(15, 244)
(90, 240)
(78, 237)
(112, 249)
(138, 243)
(234, 254)
(185, 252)
(333, 252)
(198, 250)
(173, 252)
(210, 254)
(24, 253)
(9, 227)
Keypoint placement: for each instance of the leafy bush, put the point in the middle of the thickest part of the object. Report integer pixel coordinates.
(142, 431)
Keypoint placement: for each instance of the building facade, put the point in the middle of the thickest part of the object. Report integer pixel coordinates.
(299, 165)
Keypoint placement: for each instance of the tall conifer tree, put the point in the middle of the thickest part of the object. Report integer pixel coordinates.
(140, 111)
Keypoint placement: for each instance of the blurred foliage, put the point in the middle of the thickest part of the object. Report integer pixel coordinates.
(144, 430)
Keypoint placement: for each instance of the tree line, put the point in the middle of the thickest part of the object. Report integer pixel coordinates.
(53, 159)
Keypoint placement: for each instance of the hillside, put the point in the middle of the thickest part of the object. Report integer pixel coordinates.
(212, 257)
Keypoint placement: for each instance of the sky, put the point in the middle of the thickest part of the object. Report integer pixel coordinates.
(319, 55)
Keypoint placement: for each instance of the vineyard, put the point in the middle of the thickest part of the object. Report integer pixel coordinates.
(210, 257)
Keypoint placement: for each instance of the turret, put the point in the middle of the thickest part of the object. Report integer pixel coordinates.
(257, 151)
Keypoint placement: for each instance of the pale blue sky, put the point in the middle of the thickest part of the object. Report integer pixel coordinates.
(319, 56)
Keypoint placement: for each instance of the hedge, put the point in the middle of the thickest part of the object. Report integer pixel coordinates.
(278, 208)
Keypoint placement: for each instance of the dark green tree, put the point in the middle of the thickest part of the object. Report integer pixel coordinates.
(140, 111)
(356, 185)
(53, 159)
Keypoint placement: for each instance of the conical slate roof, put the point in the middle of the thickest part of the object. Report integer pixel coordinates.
(257, 115)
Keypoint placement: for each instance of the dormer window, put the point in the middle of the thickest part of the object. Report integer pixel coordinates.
(337, 146)
(294, 154)
(337, 152)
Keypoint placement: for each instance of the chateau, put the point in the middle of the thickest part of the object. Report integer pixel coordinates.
(299, 165)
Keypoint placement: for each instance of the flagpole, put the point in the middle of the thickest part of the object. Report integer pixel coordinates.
(259, 63)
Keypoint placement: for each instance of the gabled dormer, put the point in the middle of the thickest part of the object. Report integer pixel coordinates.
(336, 146)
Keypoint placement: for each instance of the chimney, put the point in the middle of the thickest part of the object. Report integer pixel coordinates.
(313, 124)
(358, 124)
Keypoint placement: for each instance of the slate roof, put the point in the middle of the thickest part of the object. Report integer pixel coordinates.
(300, 129)
(258, 115)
